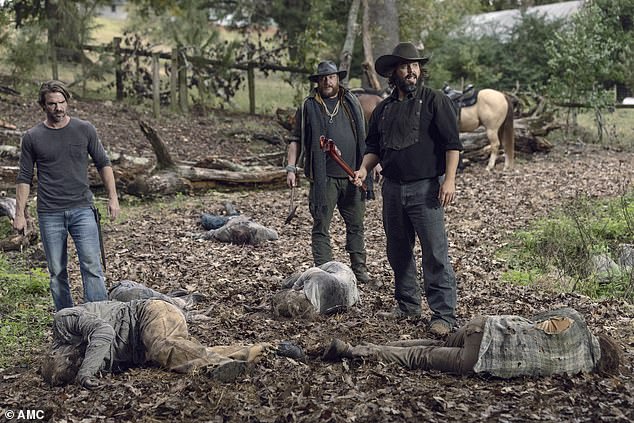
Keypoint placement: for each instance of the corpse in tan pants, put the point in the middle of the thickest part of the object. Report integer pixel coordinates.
(167, 342)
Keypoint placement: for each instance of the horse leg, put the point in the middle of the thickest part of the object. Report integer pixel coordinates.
(492, 135)
(507, 133)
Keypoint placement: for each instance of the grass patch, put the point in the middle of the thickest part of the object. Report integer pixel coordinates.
(561, 252)
(618, 129)
(25, 311)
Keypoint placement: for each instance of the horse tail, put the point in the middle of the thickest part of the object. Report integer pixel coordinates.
(506, 133)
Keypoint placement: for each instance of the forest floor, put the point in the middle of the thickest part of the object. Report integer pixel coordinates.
(154, 243)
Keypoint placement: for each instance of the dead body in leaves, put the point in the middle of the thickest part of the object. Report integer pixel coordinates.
(241, 230)
(327, 289)
(506, 346)
(112, 336)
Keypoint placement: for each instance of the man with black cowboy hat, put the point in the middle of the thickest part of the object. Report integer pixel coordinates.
(414, 135)
(334, 112)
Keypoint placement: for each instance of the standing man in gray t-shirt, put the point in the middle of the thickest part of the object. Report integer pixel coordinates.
(60, 146)
(333, 111)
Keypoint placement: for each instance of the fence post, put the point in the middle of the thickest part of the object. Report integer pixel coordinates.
(156, 86)
(182, 80)
(118, 73)
(251, 84)
(174, 81)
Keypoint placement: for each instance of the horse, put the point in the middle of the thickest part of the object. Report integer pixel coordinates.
(368, 102)
(493, 110)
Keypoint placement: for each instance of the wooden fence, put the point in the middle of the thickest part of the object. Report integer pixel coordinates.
(178, 74)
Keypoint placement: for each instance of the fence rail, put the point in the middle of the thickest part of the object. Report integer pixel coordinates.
(178, 77)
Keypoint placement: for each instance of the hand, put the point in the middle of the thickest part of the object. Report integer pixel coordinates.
(19, 224)
(113, 208)
(90, 382)
(376, 174)
(291, 179)
(447, 192)
(359, 176)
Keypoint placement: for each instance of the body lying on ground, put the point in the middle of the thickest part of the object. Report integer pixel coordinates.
(112, 336)
(241, 230)
(327, 289)
(555, 342)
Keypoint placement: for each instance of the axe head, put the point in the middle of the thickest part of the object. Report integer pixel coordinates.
(292, 208)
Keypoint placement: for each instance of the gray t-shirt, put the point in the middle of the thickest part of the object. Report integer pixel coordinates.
(61, 156)
(340, 130)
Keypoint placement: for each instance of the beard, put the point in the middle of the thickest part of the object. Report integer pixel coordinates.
(405, 84)
(329, 92)
(57, 116)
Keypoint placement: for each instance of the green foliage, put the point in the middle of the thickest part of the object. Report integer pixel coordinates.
(580, 55)
(6, 227)
(24, 52)
(25, 311)
(489, 61)
(430, 22)
(563, 246)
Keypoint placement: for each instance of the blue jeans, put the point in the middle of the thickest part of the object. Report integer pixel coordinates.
(413, 210)
(81, 224)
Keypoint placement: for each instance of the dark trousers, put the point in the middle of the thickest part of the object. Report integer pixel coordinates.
(413, 210)
(346, 197)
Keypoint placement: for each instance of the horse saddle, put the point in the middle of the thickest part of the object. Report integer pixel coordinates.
(461, 99)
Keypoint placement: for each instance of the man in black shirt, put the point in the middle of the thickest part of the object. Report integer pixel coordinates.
(414, 135)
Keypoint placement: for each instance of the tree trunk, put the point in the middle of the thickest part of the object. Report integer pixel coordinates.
(370, 79)
(345, 58)
(383, 19)
(163, 158)
(172, 178)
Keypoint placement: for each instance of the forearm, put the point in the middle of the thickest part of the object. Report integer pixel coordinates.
(291, 156)
(452, 158)
(99, 337)
(370, 160)
(21, 197)
(107, 177)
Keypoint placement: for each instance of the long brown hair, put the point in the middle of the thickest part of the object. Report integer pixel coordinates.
(52, 86)
(61, 364)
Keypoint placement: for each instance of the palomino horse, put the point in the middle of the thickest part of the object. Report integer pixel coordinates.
(494, 111)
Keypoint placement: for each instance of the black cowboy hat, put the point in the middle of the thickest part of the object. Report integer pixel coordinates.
(403, 52)
(327, 68)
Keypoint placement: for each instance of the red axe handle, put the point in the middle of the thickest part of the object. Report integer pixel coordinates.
(328, 146)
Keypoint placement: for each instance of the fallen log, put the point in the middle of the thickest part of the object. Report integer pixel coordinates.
(172, 177)
(16, 241)
(530, 137)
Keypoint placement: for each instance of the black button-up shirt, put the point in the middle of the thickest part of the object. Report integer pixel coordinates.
(437, 133)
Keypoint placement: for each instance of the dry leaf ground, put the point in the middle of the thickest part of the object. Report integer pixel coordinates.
(153, 243)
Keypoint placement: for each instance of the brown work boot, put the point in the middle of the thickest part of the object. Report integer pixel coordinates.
(439, 328)
(337, 349)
